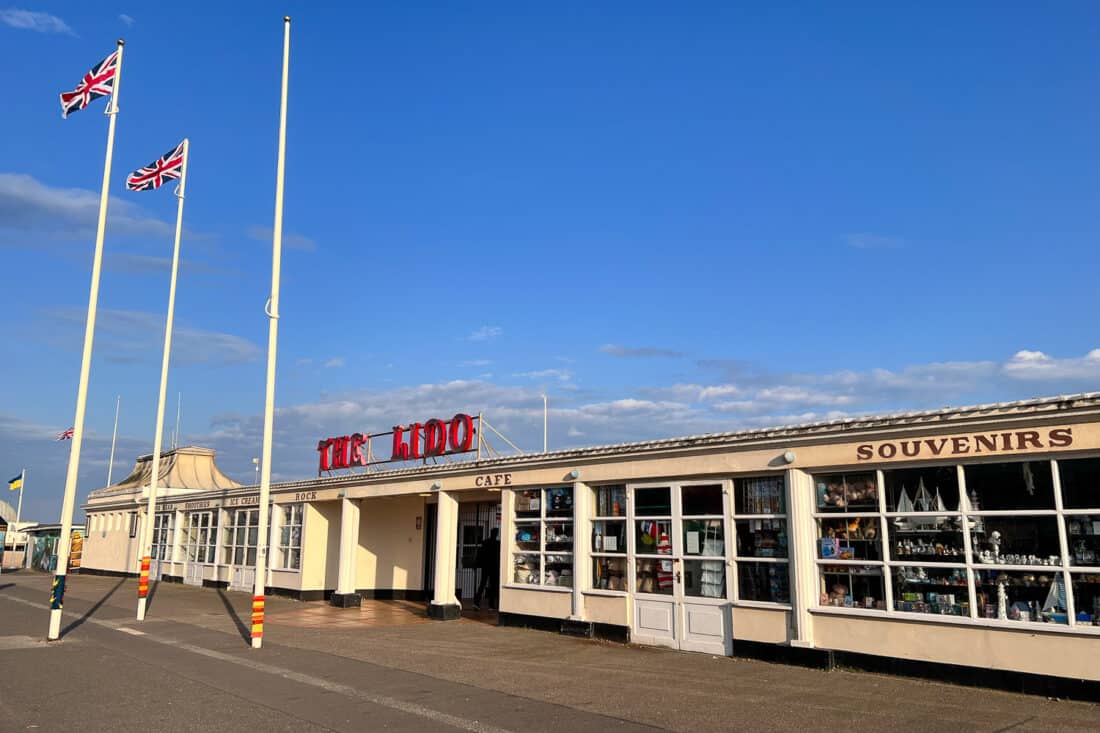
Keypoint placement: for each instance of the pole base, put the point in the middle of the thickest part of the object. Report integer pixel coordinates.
(444, 611)
(346, 600)
(141, 609)
(55, 625)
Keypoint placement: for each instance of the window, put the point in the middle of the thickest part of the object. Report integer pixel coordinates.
(849, 549)
(133, 524)
(241, 537)
(609, 538)
(542, 547)
(200, 537)
(653, 572)
(703, 521)
(290, 537)
(760, 520)
(162, 536)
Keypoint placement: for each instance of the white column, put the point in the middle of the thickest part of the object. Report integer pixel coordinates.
(345, 595)
(444, 605)
(582, 546)
(803, 568)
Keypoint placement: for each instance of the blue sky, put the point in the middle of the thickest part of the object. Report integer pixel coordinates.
(673, 219)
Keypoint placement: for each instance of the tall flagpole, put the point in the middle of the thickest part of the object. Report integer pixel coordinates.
(64, 543)
(272, 339)
(114, 437)
(154, 478)
(19, 509)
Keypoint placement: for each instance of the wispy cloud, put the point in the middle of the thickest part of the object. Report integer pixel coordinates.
(640, 352)
(131, 336)
(486, 333)
(563, 375)
(475, 363)
(290, 239)
(864, 240)
(126, 19)
(30, 20)
(335, 363)
(136, 264)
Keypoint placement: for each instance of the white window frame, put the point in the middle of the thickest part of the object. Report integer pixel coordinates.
(541, 521)
(231, 544)
(285, 545)
(783, 516)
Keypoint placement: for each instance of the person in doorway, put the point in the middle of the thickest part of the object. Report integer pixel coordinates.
(488, 562)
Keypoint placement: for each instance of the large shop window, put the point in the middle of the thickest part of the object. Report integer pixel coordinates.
(609, 538)
(241, 537)
(162, 536)
(290, 537)
(760, 518)
(542, 546)
(200, 536)
(1010, 542)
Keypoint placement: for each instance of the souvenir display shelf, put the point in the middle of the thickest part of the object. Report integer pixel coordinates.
(544, 537)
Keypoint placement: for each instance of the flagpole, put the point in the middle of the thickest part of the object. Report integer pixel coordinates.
(272, 339)
(19, 509)
(154, 478)
(64, 543)
(114, 437)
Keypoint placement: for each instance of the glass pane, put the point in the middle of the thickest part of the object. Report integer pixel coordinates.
(610, 501)
(529, 503)
(254, 518)
(652, 536)
(760, 581)
(559, 570)
(526, 569)
(238, 537)
(653, 502)
(849, 539)
(296, 536)
(251, 556)
(1086, 598)
(609, 573)
(852, 586)
(942, 591)
(1080, 483)
(253, 536)
(705, 537)
(853, 492)
(284, 536)
(295, 559)
(653, 576)
(1023, 485)
(1021, 595)
(926, 538)
(1016, 540)
(760, 495)
(762, 538)
(238, 555)
(559, 536)
(559, 502)
(609, 536)
(1083, 534)
(701, 500)
(705, 578)
(922, 489)
(527, 536)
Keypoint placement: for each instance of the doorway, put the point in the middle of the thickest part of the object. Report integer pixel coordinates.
(162, 544)
(678, 566)
(475, 521)
(199, 542)
(241, 539)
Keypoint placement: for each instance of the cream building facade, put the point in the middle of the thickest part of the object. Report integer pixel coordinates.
(964, 536)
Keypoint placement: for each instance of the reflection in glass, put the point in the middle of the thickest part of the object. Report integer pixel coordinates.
(705, 578)
(1086, 598)
(763, 581)
(653, 502)
(1022, 485)
(1017, 541)
(854, 538)
(559, 535)
(927, 538)
(609, 536)
(653, 576)
(527, 570)
(529, 503)
(760, 495)
(1083, 535)
(1080, 483)
(609, 573)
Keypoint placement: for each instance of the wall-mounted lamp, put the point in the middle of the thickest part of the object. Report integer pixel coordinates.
(436, 485)
(341, 493)
(574, 474)
(788, 457)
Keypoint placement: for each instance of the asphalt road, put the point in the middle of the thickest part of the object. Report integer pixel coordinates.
(189, 668)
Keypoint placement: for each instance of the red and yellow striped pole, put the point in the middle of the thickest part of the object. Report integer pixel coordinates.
(257, 617)
(143, 579)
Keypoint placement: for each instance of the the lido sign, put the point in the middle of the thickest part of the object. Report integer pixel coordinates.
(433, 437)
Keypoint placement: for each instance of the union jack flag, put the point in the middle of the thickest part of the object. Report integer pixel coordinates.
(167, 167)
(99, 82)
(64, 435)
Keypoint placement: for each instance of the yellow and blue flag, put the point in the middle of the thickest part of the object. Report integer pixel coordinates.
(16, 483)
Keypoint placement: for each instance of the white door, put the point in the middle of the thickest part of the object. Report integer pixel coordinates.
(162, 545)
(199, 540)
(242, 538)
(679, 576)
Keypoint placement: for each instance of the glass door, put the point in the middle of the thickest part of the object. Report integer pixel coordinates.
(678, 563)
(199, 538)
(241, 539)
(162, 544)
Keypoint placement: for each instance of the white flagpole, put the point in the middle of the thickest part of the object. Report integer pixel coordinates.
(272, 339)
(64, 543)
(19, 509)
(179, 406)
(158, 431)
(114, 437)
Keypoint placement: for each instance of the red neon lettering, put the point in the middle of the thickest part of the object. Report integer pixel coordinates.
(466, 423)
(358, 440)
(340, 452)
(435, 438)
(322, 448)
(416, 431)
(400, 447)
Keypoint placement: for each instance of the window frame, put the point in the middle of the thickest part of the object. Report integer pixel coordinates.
(541, 522)
(736, 557)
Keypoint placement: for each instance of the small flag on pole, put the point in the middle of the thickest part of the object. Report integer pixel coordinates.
(99, 82)
(16, 483)
(64, 435)
(167, 167)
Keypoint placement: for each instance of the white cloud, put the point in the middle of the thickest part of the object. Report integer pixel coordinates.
(290, 239)
(1037, 366)
(640, 352)
(303, 362)
(30, 20)
(28, 206)
(485, 333)
(335, 363)
(563, 375)
(574, 433)
(126, 19)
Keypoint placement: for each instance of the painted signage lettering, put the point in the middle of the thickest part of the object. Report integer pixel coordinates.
(960, 445)
(494, 479)
(305, 495)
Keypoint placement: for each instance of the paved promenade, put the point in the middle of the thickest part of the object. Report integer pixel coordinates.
(386, 666)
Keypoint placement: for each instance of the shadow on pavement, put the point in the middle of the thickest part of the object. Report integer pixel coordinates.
(149, 596)
(6, 585)
(91, 611)
(244, 631)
